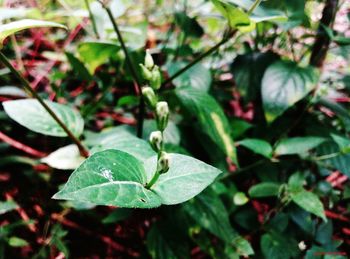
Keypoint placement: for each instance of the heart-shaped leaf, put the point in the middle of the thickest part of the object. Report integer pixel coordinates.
(13, 27)
(32, 115)
(110, 177)
(285, 83)
(64, 158)
(186, 178)
(113, 177)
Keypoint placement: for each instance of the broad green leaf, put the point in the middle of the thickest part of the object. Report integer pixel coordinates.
(64, 158)
(13, 27)
(297, 145)
(278, 246)
(165, 240)
(257, 146)
(204, 210)
(236, 18)
(110, 177)
(6, 206)
(340, 162)
(239, 127)
(342, 142)
(265, 189)
(31, 114)
(308, 201)
(119, 138)
(96, 53)
(188, 25)
(198, 77)
(12, 91)
(285, 83)
(248, 71)
(211, 118)
(17, 242)
(78, 67)
(186, 178)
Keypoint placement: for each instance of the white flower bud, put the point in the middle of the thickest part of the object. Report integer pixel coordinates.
(163, 163)
(156, 140)
(302, 246)
(149, 95)
(162, 112)
(149, 63)
(156, 79)
(146, 74)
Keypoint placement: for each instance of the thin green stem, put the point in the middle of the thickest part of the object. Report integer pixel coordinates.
(255, 5)
(92, 19)
(132, 68)
(200, 57)
(153, 180)
(26, 85)
(328, 156)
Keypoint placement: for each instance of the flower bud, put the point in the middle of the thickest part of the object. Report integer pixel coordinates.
(146, 74)
(149, 95)
(163, 163)
(149, 63)
(156, 140)
(162, 112)
(156, 79)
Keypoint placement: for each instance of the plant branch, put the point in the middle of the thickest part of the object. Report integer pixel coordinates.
(26, 85)
(132, 70)
(200, 57)
(322, 42)
(255, 5)
(92, 19)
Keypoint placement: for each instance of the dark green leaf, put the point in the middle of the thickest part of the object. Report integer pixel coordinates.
(7, 206)
(257, 146)
(266, 189)
(297, 145)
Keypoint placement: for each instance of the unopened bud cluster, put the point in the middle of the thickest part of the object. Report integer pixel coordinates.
(152, 75)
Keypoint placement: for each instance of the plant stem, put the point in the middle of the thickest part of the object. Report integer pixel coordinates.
(92, 19)
(322, 42)
(252, 8)
(199, 58)
(153, 180)
(26, 85)
(132, 70)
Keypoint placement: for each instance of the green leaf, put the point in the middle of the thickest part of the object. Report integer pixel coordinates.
(278, 246)
(257, 146)
(285, 83)
(248, 71)
(236, 18)
(64, 158)
(13, 27)
(110, 177)
(204, 210)
(17, 242)
(265, 189)
(188, 25)
(96, 53)
(7, 206)
(211, 118)
(198, 77)
(78, 67)
(298, 145)
(342, 142)
(308, 201)
(117, 215)
(186, 178)
(119, 138)
(31, 114)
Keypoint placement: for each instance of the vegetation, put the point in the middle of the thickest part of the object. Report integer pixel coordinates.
(175, 129)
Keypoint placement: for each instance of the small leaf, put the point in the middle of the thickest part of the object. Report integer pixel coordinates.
(186, 178)
(309, 202)
(236, 18)
(17, 242)
(13, 27)
(32, 115)
(188, 25)
(298, 145)
(257, 146)
(266, 189)
(285, 83)
(240, 199)
(110, 177)
(7, 206)
(64, 158)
